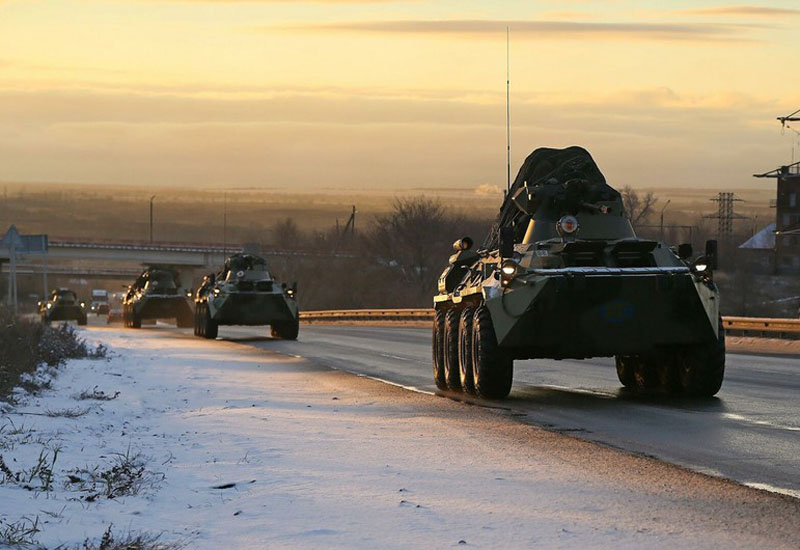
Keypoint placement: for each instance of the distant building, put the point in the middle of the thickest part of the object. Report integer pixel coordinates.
(760, 250)
(787, 219)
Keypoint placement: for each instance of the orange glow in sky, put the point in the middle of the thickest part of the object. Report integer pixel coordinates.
(396, 94)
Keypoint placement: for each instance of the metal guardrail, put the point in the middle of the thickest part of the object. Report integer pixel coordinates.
(760, 325)
(335, 315)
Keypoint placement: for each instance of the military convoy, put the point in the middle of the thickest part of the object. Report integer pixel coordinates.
(63, 305)
(245, 293)
(562, 275)
(157, 294)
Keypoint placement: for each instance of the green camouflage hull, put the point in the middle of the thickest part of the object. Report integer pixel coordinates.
(589, 313)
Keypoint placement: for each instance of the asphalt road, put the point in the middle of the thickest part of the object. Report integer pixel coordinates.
(749, 433)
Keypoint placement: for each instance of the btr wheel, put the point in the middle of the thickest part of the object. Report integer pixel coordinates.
(83, 320)
(703, 367)
(492, 367)
(451, 368)
(668, 365)
(210, 326)
(645, 373)
(136, 319)
(465, 349)
(198, 328)
(438, 349)
(625, 370)
(286, 330)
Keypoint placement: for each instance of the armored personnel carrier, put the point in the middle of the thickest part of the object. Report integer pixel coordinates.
(157, 294)
(562, 275)
(63, 305)
(244, 293)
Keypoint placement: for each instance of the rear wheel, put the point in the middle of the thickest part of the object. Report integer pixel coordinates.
(465, 349)
(438, 349)
(451, 368)
(703, 367)
(286, 330)
(492, 367)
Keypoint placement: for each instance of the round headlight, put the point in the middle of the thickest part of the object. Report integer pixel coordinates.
(509, 268)
(700, 267)
(567, 225)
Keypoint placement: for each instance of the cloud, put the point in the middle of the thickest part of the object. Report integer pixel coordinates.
(346, 141)
(537, 30)
(743, 11)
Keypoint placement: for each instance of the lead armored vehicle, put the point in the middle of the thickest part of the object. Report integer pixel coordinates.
(245, 293)
(63, 305)
(562, 275)
(157, 294)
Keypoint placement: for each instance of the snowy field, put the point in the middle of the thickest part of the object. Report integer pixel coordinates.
(220, 445)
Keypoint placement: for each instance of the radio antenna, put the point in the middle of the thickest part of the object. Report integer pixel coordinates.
(508, 115)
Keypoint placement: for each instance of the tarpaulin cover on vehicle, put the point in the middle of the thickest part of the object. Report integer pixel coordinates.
(245, 262)
(573, 167)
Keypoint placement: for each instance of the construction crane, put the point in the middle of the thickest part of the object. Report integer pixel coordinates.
(789, 118)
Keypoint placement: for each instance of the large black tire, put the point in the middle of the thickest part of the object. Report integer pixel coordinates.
(626, 366)
(438, 349)
(198, 320)
(703, 367)
(492, 367)
(184, 319)
(451, 368)
(136, 319)
(645, 373)
(82, 321)
(465, 349)
(668, 369)
(286, 330)
(210, 326)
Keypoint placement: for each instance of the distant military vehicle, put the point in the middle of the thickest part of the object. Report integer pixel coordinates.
(562, 275)
(245, 293)
(157, 294)
(99, 304)
(63, 305)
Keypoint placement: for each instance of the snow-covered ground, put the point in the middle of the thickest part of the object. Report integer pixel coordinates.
(240, 448)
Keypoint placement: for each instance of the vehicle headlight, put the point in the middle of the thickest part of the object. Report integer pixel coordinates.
(290, 292)
(509, 268)
(49, 306)
(700, 267)
(567, 225)
(216, 292)
(83, 304)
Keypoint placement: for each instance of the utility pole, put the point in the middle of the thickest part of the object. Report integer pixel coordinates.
(151, 218)
(662, 218)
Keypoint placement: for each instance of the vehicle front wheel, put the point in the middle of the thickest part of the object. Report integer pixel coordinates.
(451, 368)
(82, 321)
(210, 326)
(703, 367)
(438, 349)
(492, 367)
(136, 319)
(286, 330)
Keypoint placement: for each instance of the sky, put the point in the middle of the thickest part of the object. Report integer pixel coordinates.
(396, 94)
